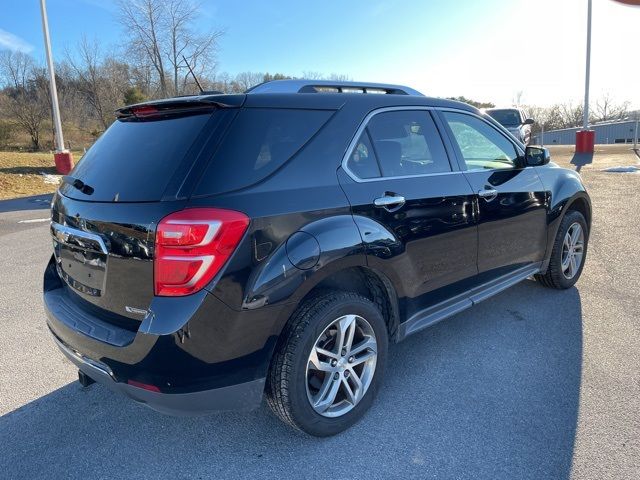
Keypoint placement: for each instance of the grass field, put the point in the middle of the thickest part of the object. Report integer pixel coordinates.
(23, 173)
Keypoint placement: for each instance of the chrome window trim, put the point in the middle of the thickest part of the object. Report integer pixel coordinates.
(373, 113)
(361, 128)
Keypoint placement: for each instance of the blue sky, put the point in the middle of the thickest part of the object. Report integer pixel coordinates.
(488, 50)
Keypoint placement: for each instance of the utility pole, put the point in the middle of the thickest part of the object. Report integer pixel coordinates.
(62, 157)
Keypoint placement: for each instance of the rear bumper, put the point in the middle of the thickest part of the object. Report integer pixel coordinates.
(195, 353)
(242, 397)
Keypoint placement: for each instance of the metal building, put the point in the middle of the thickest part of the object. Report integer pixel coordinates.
(607, 132)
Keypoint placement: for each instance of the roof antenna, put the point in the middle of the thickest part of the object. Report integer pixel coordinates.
(193, 74)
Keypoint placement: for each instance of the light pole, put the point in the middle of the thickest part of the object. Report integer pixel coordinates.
(62, 157)
(635, 136)
(585, 120)
(585, 137)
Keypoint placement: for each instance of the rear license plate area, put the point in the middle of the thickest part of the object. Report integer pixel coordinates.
(84, 270)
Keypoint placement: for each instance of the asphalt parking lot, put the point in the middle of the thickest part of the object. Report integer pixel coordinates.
(533, 383)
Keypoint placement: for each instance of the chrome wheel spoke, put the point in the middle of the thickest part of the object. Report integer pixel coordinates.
(575, 234)
(368, 344)
(349, 392)
(316, 364)
(346, 329)
(355, 378)
(574, 267)
(326, 353)
(363, 357)
(354, 393)
(327, 393)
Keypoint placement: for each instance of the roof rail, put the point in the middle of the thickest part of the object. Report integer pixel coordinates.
(329, 86)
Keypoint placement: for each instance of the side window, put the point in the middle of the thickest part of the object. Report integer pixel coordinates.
(398, 144)
(362, 161)
(407, 142)
(481, 146)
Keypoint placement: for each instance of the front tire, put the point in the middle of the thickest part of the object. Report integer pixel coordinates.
(329, 363)
(569, 253)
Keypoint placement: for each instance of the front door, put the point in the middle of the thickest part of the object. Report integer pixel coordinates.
(511, 199)
(414, 210)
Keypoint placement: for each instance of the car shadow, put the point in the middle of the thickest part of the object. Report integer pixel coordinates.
(490, 393)
(581, 159)
(34, 202)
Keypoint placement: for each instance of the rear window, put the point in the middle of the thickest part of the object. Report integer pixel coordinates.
(259, 142)
(134, 160)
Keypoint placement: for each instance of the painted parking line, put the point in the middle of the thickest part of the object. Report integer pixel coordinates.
(35, 220)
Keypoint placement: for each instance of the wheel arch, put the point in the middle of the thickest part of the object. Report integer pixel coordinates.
(579, 202)
(368, 282)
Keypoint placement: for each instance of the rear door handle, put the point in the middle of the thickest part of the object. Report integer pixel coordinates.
(390, 202)
(488, 194)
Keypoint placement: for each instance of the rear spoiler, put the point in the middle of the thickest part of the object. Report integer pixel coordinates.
(180, 105)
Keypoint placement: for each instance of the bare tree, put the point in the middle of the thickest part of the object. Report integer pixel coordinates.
(86, 68)
(336, 77)
(606, 109)
(164, 35)
(246, 80)
(26, 93)
(340, 77)
(548, 118)
(312, 75)
(570, 114)
(143, 20)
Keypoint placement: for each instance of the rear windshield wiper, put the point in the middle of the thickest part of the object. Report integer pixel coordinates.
(77, 183)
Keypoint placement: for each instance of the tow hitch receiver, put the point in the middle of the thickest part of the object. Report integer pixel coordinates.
(84, 379)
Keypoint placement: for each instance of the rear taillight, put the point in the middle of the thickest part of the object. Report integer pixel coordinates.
(192, 245)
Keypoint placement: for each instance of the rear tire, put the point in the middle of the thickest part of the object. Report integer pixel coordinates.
(562, 272)
(312, 362)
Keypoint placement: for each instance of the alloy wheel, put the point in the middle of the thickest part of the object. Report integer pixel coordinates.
(572, 250)
(341, 366)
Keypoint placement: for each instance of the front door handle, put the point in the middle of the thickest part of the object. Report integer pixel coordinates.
(488, 194)
(390, 202)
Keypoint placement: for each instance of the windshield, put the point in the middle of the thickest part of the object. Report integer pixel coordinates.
(509, 117)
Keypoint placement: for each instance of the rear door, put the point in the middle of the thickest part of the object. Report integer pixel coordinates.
(511, 200)
(413, 207)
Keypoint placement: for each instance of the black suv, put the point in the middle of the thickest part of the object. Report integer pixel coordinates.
(209, 249)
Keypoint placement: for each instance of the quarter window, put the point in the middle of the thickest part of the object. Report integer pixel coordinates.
(362, 161)
(398, 144)
(259, 141)
(481, 146)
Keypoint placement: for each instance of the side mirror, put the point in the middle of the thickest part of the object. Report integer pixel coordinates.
(529, 121)
(536, 156)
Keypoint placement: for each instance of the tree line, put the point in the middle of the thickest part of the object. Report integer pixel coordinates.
(162, 42)
(568, 114)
